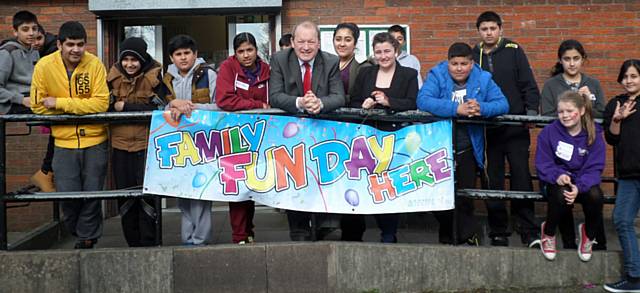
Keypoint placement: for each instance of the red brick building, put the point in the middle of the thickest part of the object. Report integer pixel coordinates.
(609, 30)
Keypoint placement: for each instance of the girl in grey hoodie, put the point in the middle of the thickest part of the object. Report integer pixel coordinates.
(567, 75)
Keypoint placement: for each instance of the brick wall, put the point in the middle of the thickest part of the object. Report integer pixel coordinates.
(609, 30)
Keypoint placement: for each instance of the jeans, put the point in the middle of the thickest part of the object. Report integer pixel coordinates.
(624, 214)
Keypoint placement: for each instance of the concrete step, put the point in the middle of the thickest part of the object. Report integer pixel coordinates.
(305, 267)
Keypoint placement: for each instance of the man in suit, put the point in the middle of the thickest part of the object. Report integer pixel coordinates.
(305, 80)
(324, 92)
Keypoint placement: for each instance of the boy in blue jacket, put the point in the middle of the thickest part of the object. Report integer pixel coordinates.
(459, 88)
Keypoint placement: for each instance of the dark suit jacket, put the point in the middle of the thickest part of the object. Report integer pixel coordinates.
(353, 73)
(285, 83)
(402, 92)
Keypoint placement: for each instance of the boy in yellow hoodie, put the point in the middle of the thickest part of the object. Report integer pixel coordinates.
(72, 81)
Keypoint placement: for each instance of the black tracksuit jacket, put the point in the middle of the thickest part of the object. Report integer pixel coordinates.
(510, 69)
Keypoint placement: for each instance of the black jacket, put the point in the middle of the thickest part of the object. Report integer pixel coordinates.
(402, 92)
(626, 144)
(50, 45)
(510, 69)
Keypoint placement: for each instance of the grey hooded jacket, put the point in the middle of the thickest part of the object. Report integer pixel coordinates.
(16, 69)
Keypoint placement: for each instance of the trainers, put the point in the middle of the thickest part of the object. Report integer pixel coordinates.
(623, 285)
(533, 243)
(531, 240)
(249, 240)
(85, 244)
(499, 241)
(473, 240)
(547, 244)
(43, 181)
(585, 245)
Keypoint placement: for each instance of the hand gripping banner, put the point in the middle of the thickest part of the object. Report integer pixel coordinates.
(301, 163)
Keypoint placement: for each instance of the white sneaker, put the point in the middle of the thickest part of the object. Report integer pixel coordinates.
(547, 244)
(585, 245)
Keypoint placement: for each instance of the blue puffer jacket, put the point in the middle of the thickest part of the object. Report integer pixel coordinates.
(435, 98)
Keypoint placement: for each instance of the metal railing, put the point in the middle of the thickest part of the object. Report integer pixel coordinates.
(350, 114)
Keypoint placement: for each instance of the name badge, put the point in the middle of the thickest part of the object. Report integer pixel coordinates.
(459, 95)
(564, 151)
(242, 85)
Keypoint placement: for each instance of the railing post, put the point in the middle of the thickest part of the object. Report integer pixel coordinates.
(454, 237)
(157, 203)
(3, 187)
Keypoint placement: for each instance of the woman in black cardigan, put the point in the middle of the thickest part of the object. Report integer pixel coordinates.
(386, 85)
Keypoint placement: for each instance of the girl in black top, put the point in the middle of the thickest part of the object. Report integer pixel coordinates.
(386, 85)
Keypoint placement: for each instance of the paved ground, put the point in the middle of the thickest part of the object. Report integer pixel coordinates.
(271, 226)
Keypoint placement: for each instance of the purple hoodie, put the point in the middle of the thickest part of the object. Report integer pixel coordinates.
(560, 153)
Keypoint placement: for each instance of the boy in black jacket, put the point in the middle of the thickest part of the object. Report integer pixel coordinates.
(510, 69)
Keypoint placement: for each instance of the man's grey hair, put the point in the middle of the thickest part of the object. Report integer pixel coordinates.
(306, 24)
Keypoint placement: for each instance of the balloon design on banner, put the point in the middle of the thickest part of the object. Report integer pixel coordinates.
(352, 197)
(296, 163)
(412, 142)
(199, 180)
(290, 130)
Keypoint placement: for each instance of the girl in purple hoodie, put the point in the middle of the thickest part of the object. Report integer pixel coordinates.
(570, 157)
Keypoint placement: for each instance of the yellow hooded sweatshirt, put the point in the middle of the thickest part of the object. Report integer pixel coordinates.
(86, 92)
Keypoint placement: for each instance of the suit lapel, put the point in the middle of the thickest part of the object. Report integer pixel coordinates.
(318, 67)
(294, 68)
(395, 80)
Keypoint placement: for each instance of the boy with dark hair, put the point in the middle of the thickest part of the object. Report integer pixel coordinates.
(510, 69)
(285, 41)
(489, 16)
(459, 88)
(17, 58)
(45, 42)
(405, 59)
(190, 84)
(134, 82)
(74, 82)
(16, 64)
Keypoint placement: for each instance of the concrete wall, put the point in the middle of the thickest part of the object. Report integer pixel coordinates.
(304, 267)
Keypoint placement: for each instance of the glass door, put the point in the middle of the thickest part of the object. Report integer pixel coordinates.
(151, 34)
(259, 26)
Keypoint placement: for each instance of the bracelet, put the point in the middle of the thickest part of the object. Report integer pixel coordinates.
(617, 120)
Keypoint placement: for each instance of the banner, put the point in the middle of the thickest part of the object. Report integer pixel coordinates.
(301, 163)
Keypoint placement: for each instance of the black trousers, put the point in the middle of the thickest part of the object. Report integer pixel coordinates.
(353, 227)
(510, 143)
(137, 214)
(466, 168)
(48, 158)
(557, 208)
